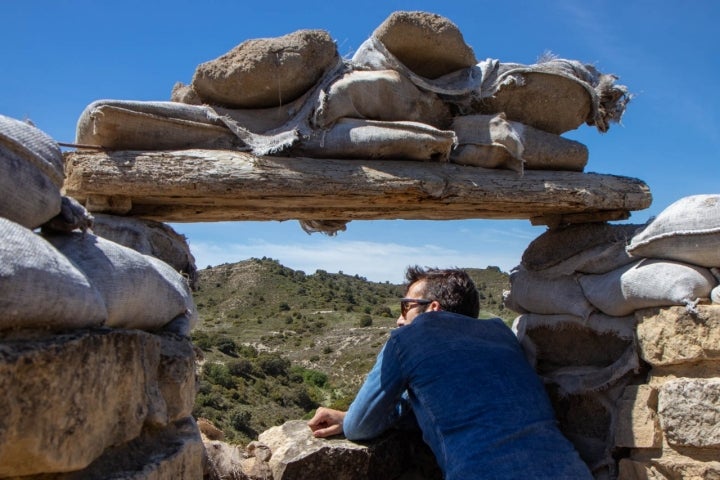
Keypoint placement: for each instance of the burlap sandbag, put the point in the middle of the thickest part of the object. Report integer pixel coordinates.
(266, 72)
(559, 244)
(31, 173)
(150, 238)
(534, 293)
(687, 231)
(139, 291)
(130, 125)
(40, 287)
(491, 141)
(647, 283)
(134, 125)
(599, 259)
(488, 141)
(34, 146)
(29, 197)
(370, 139)
(380, 95)
(579, 355)
(554, 95)
(428, 44)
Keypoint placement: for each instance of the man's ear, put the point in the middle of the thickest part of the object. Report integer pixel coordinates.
(434, 306)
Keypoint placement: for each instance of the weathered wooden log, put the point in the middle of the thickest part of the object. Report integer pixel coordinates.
(219, 185)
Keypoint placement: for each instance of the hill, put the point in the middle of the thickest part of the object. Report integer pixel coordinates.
(277, 342)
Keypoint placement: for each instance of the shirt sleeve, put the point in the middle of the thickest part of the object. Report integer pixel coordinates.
(378, 405)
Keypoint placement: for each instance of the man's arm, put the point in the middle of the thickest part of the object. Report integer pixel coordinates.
(377, 407)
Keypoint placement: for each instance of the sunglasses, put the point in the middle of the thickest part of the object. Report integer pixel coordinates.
(406, 302)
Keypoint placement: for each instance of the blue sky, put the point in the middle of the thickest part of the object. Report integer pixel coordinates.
(60, 55)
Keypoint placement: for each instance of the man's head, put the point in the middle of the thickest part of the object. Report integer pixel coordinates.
(432, 289)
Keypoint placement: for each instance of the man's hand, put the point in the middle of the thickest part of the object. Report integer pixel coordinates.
(327, 422)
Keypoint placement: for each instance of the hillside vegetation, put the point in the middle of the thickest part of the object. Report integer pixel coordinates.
(277, 343)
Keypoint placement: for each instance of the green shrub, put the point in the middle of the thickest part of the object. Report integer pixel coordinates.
(273, 364)
(218, 374)
(241, 367)
(365, 321)
(201, 340)
(227, 346)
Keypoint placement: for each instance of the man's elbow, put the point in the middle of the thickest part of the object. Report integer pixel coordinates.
(357, 432)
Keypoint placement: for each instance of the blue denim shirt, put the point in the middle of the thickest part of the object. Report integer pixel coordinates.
(481, 408)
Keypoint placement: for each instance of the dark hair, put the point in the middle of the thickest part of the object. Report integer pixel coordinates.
(452, 288)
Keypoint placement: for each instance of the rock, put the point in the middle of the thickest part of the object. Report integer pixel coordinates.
(428, 44)
(672, 335)
(297, 454)
(171, 453)
(671, 466)
(689, 411)
(67, 398)
(209, 430)
(638, 425)
(176, 376)
(266, 72)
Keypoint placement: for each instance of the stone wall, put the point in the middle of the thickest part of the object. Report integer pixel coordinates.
(671, 424)
(95, 403)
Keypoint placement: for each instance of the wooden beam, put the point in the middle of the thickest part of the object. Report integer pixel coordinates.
(218, 185)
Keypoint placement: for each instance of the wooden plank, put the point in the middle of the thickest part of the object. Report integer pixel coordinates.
(213, 185)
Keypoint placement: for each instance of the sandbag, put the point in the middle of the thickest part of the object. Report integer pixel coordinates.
(554, 95)
(370, 139)
(647, 283)
(488, 141)
(31, 173)
(535, 293)
(266, 72)
(687, 231)
(599, 259)
(135, 125)
(34, 146)
(40, 287)
(73, 216)
(491, 141)
(428, 44)
(29, 197)
(559, 244)
(380, 95)
(130, 125)
(139, 291)
(579, 355)
(150, 238)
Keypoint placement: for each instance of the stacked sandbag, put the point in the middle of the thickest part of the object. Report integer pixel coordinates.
(414, 90)
(96, 365)
(152, 238)
(584, 293)
(584, 355)
(31, 173)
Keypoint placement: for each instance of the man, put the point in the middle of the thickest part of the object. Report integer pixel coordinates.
(481, 408)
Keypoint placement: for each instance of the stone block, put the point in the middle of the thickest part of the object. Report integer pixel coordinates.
(297, 454)
(637, 424)
(67, 398)
(689, 412)
(668, 467)
(171, 453)
(673, 335)
(176, 376)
